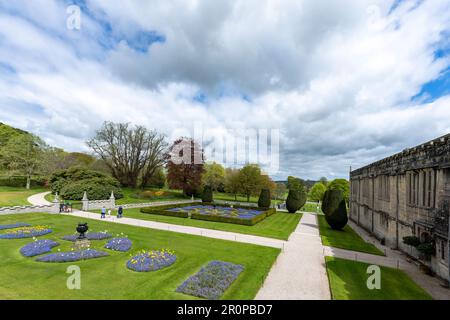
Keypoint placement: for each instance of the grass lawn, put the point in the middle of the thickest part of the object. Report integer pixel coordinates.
(279, 225)
(348, 281)
(16, 196)
(346, 239)
(310, 207)
(108, 277)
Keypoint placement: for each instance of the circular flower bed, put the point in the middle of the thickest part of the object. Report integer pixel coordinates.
(25, 232)
(151, 260)
(13, 226)
(119, 244)
(89, 236)
(72, 256)
(38, 247)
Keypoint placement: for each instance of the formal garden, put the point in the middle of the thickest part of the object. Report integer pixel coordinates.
(163, 265)
(122, 261)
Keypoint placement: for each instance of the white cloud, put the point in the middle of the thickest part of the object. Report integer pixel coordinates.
(336, 77)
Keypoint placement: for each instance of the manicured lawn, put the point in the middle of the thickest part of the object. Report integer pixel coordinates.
(279, 225)
(311, 207)
(346, 239)
(16, 196)
(348, 281)
(108, 277)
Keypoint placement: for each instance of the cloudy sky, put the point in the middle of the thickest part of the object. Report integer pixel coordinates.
(345, 82)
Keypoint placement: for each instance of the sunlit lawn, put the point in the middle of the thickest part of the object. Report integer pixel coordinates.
(279, 225)
(16, 196)
(108, 277)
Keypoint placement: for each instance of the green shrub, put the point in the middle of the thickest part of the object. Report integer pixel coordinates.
(296, 200)
(96, 188)
(411, 241)
(264, 199)
(335, 209)
(61, 178)
(207, 195)
(427, 249)
(73, 182)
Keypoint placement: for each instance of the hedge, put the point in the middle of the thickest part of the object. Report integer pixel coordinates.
(161, 210)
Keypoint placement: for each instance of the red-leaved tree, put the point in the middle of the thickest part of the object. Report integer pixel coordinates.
(185, 160)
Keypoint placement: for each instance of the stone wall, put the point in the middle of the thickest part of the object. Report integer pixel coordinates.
(52, 208)
(399, 196)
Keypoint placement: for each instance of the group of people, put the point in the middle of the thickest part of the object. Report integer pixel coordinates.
(109, 211)
(65, 207)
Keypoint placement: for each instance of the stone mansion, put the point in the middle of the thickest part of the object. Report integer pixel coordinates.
(407, 194)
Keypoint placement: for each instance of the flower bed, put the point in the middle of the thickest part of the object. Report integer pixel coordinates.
(89, 236)
(72, 256)
(38, 247)
(25, 232)
(211, 281)
(13, 226)
(119, 244)
(151, 260)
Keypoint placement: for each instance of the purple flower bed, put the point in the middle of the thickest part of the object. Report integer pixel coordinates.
(151, 260)
(25, 232)
(119, 244)
(89, 236)
(15, 225)
(38, 247)
(72, 256)
(211, 281)
(221, 211)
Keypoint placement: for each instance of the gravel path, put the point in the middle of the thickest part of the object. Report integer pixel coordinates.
(299, 272)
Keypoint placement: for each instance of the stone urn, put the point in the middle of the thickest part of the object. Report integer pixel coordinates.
(82, 228)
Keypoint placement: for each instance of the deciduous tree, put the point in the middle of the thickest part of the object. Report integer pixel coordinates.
(129, 151)
(185, 166)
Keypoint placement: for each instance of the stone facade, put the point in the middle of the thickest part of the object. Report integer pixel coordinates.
(407, 194)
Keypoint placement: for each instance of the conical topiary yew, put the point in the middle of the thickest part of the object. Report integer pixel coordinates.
(296, 200)
(264, 199)
(335, 209)
(207, 195)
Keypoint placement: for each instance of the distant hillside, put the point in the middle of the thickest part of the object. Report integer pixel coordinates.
(70, 158)
(7, 132)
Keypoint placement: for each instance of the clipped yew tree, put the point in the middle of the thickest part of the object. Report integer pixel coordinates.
(207, 195)
(296, 200)
(335, 209)
(264, 199)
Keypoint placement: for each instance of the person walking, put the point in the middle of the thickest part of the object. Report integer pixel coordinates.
(119, 212)
(103, 213)
(109, 213)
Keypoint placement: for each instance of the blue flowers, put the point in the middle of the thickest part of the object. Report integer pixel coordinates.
(72, 256)
(15, 225)
(153, 260)
(211, 281)
(89, 236)
(38, 247)
(219, 211)
(25, 232)
(119, 244)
